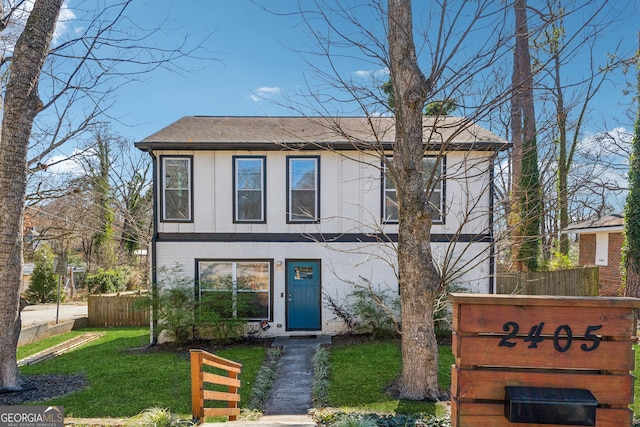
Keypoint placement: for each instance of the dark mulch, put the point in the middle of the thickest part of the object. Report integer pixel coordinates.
(36, 388)
(206, 345)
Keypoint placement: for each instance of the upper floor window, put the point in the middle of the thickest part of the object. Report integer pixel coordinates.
(249, 189)
(303, 189)
(436, 194)
(177, 188)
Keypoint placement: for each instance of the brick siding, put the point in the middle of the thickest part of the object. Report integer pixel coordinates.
(610, 276)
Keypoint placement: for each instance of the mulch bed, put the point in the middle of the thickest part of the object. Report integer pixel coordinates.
(36, 388)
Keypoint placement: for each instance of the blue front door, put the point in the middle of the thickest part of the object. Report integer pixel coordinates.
(303, 292)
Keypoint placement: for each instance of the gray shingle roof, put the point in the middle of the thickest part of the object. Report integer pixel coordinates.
(211, 133)
(613, 221)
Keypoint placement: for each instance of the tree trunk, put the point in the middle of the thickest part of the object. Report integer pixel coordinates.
(525, 197)
(631, 250)
(21, 104)
(419, 280)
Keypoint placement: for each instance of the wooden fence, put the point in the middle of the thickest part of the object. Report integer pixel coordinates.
(574, 282)
(205, 385)
(121, 309)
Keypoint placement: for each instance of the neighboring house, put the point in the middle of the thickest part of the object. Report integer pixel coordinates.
(600, 244)
(290, 211)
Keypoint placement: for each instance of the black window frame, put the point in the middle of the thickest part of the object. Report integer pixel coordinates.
(443, 166)
(163, 197)
(198, 288)
(263, 191)
(290, 214)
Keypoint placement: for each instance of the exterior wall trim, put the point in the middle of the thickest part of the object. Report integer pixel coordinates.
(314, 237)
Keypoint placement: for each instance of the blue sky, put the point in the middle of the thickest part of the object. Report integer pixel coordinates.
(252, 56)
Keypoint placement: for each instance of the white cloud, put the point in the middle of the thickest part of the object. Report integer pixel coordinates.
(64, 164)
(62, 26)
(376, 74)
(265, 92)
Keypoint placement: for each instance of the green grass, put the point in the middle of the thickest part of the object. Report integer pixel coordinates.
(33, 348)
(124, 383)
(361, 373)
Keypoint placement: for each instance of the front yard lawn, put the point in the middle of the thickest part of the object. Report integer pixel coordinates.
(124, 381)
(362, 373)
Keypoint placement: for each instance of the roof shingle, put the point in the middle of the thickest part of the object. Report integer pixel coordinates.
(219, 132)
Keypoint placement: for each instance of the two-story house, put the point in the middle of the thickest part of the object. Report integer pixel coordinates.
(291, 209)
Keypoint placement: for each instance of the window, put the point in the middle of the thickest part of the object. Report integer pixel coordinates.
(249, 189)
(236, 289)
(303, 189)
(390, 208)
(176, 188)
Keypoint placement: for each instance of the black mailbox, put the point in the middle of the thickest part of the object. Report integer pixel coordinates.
(541, 405)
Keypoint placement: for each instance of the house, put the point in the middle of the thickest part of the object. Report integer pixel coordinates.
(292, 210)
(600, 244)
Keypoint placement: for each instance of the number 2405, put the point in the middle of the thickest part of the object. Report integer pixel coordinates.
(562, 337)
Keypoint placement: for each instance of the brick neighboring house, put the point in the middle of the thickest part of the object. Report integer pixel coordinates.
(600, 244)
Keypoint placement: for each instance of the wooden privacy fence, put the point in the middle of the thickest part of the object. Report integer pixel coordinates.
(573, 282)
(207, 385)
(121, 309)
(564, 347)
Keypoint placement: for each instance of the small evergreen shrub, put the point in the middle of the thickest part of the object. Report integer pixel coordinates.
(43, 286)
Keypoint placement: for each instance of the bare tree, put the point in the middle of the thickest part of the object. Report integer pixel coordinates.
(54, 93)
(452, 72)
(567, 99)
(525, 212)
(21, 104)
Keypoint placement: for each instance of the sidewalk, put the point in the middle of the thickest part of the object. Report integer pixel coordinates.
(46, 313)
(290, 398)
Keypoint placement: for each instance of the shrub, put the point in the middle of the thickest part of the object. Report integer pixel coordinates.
(176, 313)
(321, 374)
(44, 282)
(107, 281)
(158, 417)
(219, 315)
(375, 310)
(343, 311)
(335, 418)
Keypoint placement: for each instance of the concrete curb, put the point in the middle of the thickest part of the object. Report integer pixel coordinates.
(45, 330)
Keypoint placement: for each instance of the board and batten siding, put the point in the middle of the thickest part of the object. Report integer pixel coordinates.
(342, 264)
(350, 194)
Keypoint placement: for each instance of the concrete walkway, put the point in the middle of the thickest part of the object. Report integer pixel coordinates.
(290, 398)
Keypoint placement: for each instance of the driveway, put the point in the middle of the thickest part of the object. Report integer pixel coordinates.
(46, 313)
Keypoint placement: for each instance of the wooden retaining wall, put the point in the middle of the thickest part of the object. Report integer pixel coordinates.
(121, 309)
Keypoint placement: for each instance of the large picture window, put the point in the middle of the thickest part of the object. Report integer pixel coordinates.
(435, 193)
(303, 189)
(249, 189)
(176, 188)
(235, 289)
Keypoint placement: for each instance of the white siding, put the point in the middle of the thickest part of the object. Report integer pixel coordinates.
(350, 194)
(342, 266)
(350, 202)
